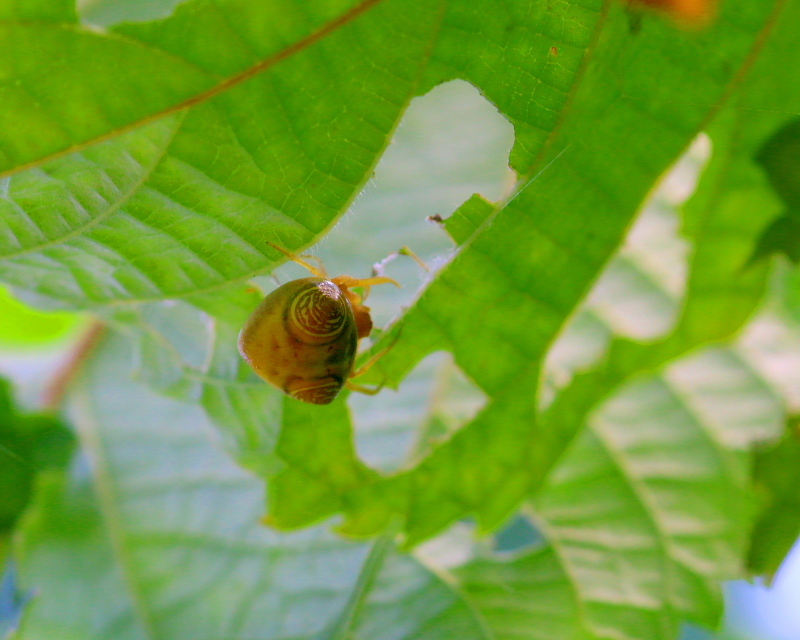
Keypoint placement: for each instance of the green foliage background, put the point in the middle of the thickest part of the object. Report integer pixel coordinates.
(150, 155)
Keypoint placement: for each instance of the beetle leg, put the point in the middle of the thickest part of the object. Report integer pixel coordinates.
(346, 282)
(370, 391)
(371, 362)
(350, 281)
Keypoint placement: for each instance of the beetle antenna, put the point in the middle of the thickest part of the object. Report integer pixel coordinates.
(317, 271)
(378, 269)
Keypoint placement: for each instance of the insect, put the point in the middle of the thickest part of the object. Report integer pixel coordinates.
(302, 337)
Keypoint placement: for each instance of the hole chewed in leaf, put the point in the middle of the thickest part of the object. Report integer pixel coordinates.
(451, 143)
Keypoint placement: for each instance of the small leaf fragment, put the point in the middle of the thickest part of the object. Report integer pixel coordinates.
(777, 476)
(468, 217)
(28, 444)
(780, 159)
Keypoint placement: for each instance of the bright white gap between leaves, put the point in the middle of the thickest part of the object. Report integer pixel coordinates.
(767, 613)
(107, 13)
(771, 345)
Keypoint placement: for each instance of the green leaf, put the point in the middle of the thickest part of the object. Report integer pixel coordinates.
(185, 205)
(521, 274)
(202, 268)
(724, 285)
(24, 326)
(160, 531)
(634, 466)
(651, 507)
(777, 477)
(724, 288)
(780, 157)
(29, 445)
(528, 598)
(104, 83)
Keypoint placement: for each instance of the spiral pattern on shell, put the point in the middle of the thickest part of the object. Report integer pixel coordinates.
(320, 310)
(319, 391)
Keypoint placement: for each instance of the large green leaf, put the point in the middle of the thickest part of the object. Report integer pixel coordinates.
(526, 267)
(724, 220)
(635, 548)
(635, 468)
(733, 204)
(185, 205)
(504, 359)
(647, 512)
(160, 532)
(66, 85)
(651, 509)
(638, 547)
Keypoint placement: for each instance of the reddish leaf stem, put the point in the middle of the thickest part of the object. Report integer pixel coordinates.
(55, 392)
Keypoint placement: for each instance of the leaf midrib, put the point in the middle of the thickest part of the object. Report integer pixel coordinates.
(89, 429)
(221, 87)
(118, 204)
(343, 627)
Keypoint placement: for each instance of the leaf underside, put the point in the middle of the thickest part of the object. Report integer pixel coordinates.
(169, 154)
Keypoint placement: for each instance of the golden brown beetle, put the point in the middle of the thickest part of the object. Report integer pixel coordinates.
(303, 336)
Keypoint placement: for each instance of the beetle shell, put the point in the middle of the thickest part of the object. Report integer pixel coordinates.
(302, 338)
